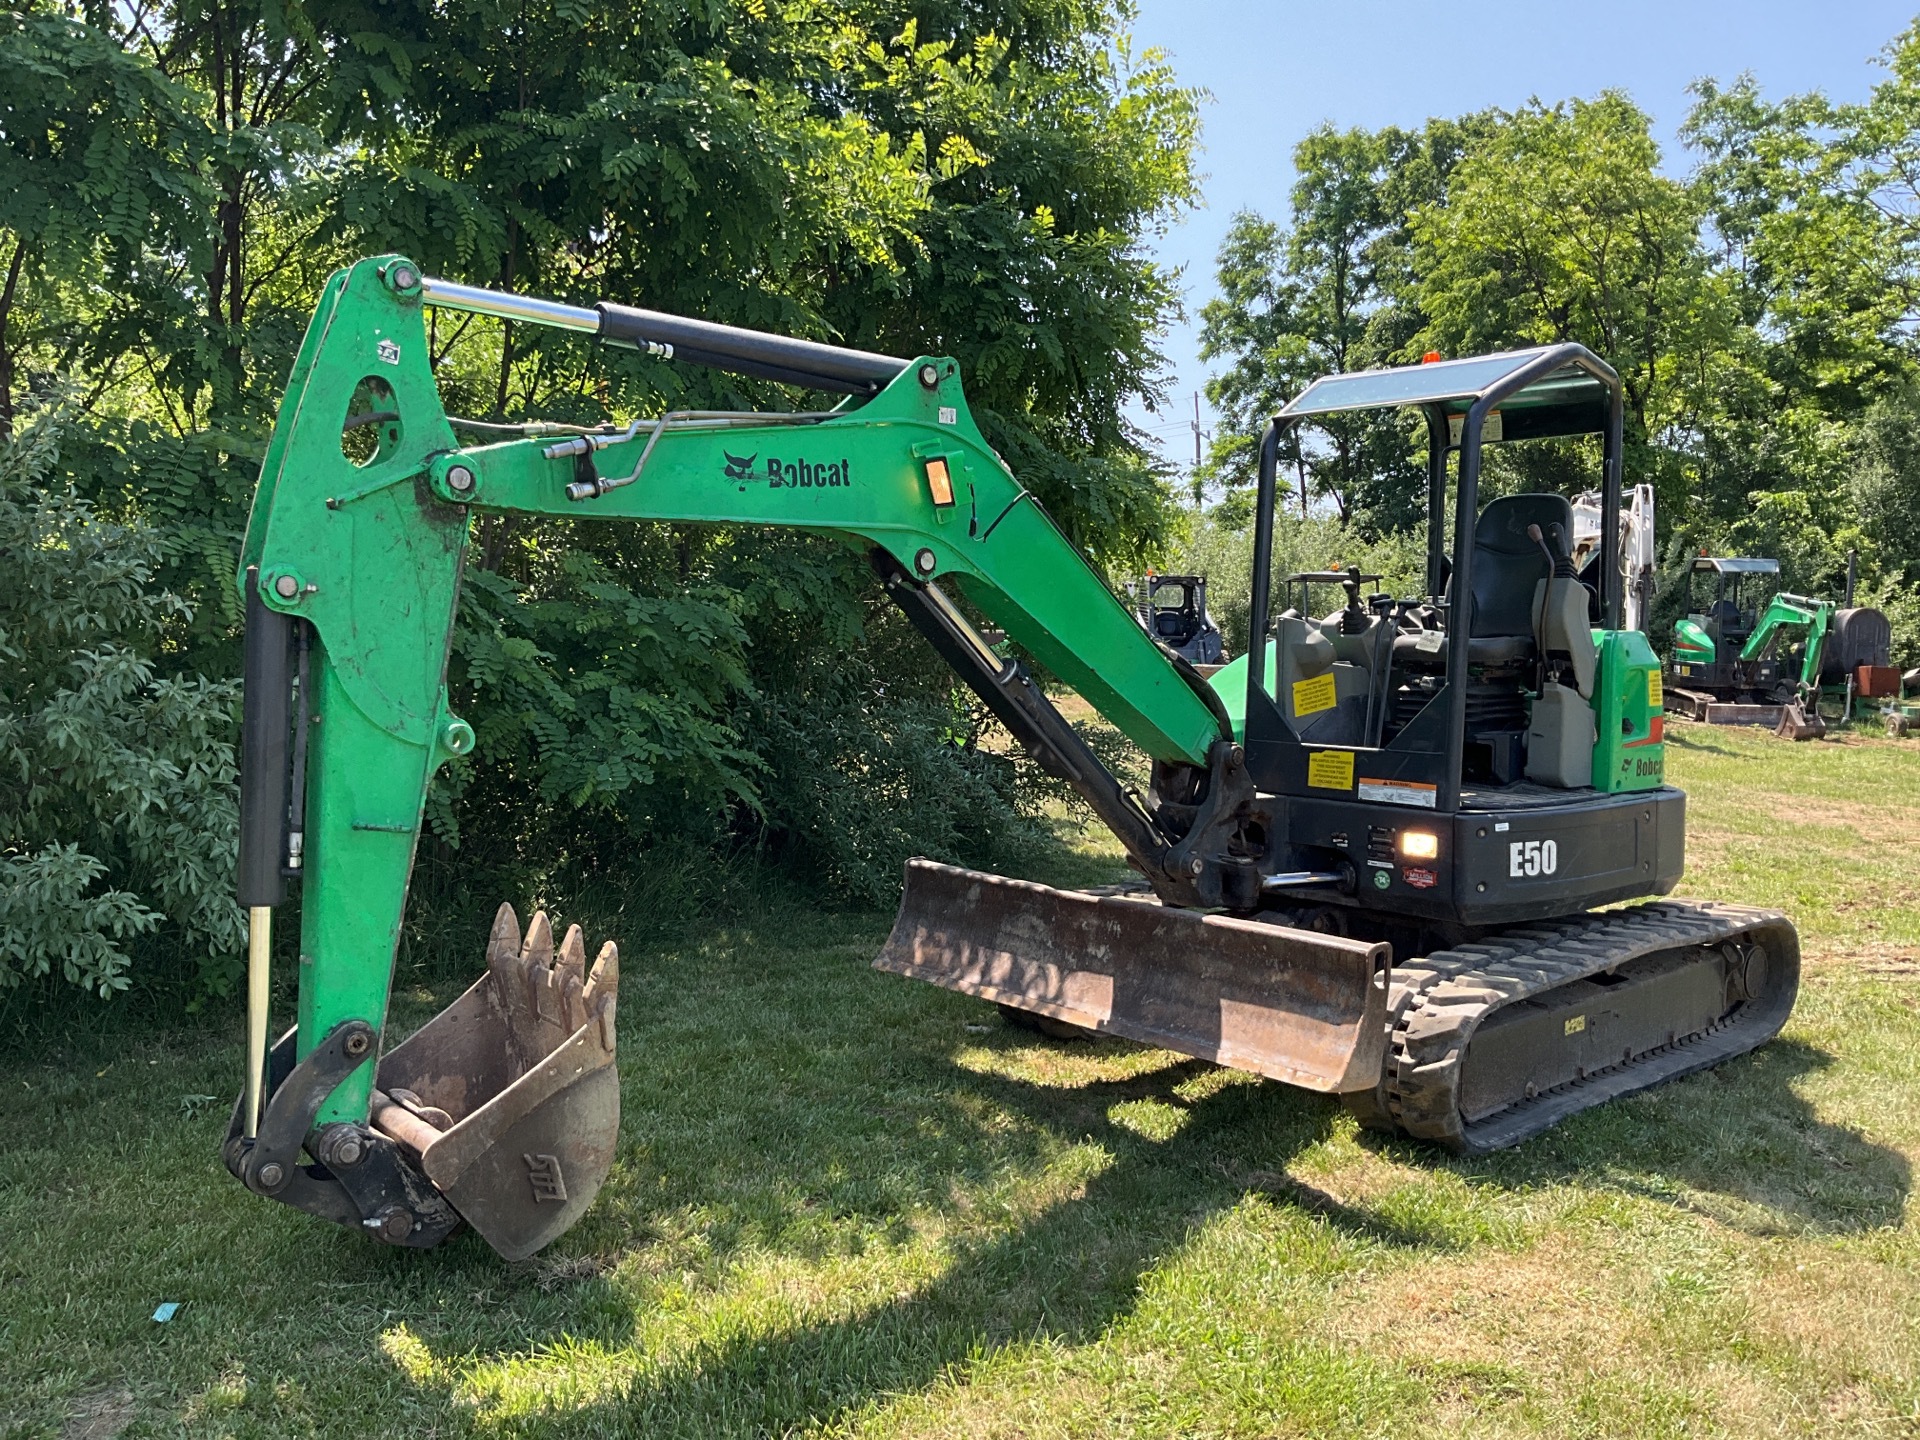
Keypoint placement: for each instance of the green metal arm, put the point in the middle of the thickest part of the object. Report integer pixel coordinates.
(369, 557)
(1785, 613)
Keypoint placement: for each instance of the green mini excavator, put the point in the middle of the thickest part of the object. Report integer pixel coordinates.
(1371, 856)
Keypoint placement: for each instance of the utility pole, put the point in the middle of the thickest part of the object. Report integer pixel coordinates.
(1198, 496)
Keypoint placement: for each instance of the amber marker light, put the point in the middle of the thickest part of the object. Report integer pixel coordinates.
(940, 481)
(1419, 844)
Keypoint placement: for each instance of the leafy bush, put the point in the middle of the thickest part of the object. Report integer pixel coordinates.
(117, 794)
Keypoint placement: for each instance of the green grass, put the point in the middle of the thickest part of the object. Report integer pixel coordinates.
(849, 1205)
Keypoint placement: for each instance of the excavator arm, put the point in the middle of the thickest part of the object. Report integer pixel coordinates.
(1784, 615)
(350, 573)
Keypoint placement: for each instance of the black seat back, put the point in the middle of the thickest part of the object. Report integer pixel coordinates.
(1507, 564)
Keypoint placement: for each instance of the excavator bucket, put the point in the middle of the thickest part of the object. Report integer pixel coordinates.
(1800, 720)
(509, 1097)
(1293, 1005)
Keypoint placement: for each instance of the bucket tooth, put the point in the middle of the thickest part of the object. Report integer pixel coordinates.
(604, 978)
(569, 976)
(505, 940)
(539, 946)
(603, 982)
(521, 1070)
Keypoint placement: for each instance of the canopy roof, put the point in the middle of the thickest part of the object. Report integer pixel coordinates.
(1721, 565)
(1570, 401)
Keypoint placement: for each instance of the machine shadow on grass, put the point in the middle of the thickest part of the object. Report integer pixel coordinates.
(1675, 735)
(1737, 1141)
(1066, 1277)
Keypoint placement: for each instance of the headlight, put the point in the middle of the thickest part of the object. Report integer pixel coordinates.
(1419, 844)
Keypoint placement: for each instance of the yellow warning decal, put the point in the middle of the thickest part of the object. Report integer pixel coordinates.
(1576, 1024)
(1653, 690)
(1330, 769)
(1310, 697)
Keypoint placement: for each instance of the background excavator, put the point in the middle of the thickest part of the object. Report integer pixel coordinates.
(1371, 853)
(1739, 660)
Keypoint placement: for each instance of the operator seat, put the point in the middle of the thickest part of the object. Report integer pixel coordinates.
(1507, 564)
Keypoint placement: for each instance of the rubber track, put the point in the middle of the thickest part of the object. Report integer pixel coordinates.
(1436, 1003)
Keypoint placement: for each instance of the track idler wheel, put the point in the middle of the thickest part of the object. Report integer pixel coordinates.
(509, 1098)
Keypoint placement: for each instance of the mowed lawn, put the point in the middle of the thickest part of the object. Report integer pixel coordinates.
(849, 1205)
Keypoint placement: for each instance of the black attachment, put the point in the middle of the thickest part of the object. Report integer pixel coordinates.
(366, 1182)
(751, 352)
(265, 719)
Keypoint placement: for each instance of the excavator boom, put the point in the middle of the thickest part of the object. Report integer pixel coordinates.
(503, 1112)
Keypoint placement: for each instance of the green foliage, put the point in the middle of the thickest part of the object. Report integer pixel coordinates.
(117, 805)
(1221, 548)
(1558, 226)
(591, 693)
(177, 180)
(99, 191)
(1758, 312)
(1331, 295)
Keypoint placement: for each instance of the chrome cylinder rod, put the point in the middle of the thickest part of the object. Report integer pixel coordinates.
(259, 948)
(992, 662)
(446, 295)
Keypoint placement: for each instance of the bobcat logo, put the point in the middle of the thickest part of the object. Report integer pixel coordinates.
(544, 1172)
(787, 474)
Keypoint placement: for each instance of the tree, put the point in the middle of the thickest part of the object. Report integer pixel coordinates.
(973, 179)
(117, 807)
(1559, 226)
(1334, 293)
(99, 157)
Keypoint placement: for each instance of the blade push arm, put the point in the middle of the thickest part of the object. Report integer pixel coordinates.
(366, 556)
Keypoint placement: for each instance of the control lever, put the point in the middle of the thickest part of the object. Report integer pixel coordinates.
(1353, 620)
(1559, 562)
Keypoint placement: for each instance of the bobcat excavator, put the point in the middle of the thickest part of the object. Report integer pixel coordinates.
(1371, 854)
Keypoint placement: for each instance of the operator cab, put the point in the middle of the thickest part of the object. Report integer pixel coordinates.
(1505, 688)
(1738, 591)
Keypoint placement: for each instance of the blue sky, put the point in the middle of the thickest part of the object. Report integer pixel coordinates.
(1277, 70)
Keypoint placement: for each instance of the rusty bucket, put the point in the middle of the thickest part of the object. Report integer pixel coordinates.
(1800, 720)
(509, 1098)
(1293, 1005)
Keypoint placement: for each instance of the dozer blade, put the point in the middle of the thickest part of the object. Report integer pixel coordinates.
(509, 1097)
(1294, 1005)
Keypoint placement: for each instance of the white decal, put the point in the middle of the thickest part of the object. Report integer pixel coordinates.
(389, 352)
(1528, 858)
(949, 415)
